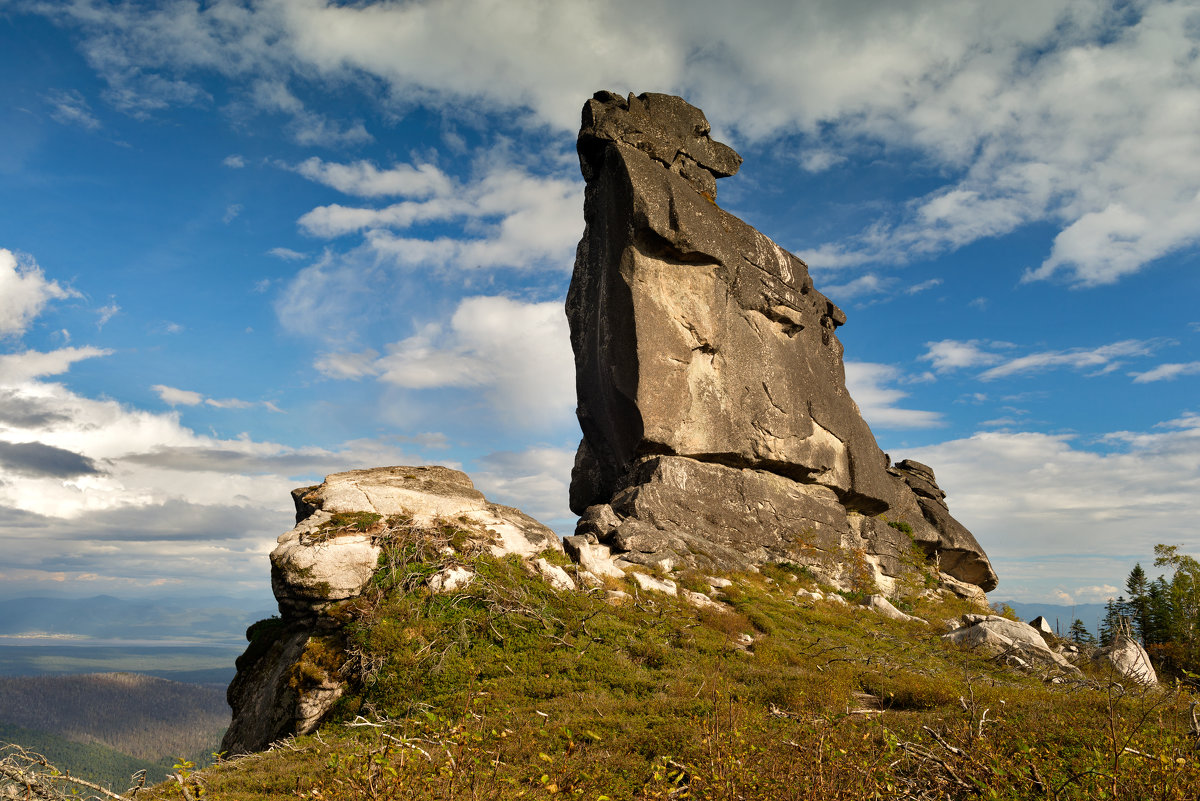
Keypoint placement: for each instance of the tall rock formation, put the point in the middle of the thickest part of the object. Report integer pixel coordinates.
(717, 429)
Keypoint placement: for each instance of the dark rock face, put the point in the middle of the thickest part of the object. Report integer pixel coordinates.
(717, 426)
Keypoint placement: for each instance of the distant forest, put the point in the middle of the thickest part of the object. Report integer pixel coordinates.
(107, 725)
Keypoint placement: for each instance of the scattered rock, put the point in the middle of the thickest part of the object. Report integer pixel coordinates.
(718, 431)
(812, 596)
(877, 603)
(648, 582)
(451, 579)
(1042, 625)
(700, 600)
(1017, 643)
(592, 556)
(618, 597)
(718, 583)
(558, 578)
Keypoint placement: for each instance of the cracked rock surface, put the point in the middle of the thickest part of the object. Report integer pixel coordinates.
(717, 429)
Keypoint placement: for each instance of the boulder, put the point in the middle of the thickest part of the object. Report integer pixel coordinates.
(1042, 625)
(882, 606)
(1020, 644)
(1128, 659)
(289, 677)
(717, 429)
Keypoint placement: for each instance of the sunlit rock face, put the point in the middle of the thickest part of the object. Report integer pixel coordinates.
(717, 429)
(289, 677)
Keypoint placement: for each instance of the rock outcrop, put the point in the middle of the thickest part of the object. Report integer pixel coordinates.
(1018, 644)
(717, 429)
(289, 676)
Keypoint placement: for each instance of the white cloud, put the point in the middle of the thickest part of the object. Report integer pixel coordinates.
(287, 254)
(951, 354)
(106, 313)
(1044, 507)
(186, 397)
(231, 213)
(1100, 359)
(535, 480)
(1081, 115)
(863, 285)
(528, 220)
(865, 381)
(234, 161)
(24, 292)
(1167, 372)
(820, 160)
(518, 354)
(71, 108)
(17, 368)
(923, 286)
(364, 179)
(178, 397)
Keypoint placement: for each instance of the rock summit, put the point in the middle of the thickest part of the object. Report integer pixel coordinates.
(717, 429)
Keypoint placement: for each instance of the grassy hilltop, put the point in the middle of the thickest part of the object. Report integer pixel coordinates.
(509, 689)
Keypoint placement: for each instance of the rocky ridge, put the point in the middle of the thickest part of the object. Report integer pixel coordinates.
(717, 429)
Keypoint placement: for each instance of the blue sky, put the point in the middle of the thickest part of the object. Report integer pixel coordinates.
(247, 244)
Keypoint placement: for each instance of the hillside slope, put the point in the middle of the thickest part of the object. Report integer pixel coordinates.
(509, 688)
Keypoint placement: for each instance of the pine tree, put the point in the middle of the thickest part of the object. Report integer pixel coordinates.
(1138, 607)
(1079, 633)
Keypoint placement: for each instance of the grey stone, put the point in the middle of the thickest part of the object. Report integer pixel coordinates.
(881, 605)
(1042, 625)
(1128, 659)
(701, 346)
(316, 565)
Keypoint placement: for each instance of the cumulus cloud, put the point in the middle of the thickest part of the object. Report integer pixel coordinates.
(24, 292)
(234, 161)
(950, 354)
(528, 220)
(866, 382)
(1080, 115)
(518, 354)
(17, 368)
(535, 480)
(1045, 506)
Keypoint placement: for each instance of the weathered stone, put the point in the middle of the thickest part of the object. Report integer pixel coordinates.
(450, 579)
(326, 559)
(700, 600)
(647, 582)
(1042, 625)
(554, 575)
(1128, 659)
(881, 605)
(707, 367)
(1014, 640)
(591, 556)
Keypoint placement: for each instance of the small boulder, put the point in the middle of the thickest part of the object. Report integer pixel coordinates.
(554, 575)
(648, 582)
(450, 579)
(1127, 658)
(1042, 625)
(881, 605)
